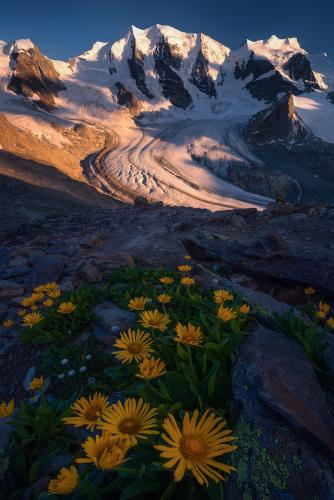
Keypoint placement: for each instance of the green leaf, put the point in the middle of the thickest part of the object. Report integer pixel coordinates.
(33, 471)
(178, 388)
(139, 486)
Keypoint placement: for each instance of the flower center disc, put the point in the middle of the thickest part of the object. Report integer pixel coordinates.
(93, 413)
(129, 426)
(191, 447)
(135, 348)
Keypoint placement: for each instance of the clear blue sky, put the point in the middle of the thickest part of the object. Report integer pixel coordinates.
(64, 28)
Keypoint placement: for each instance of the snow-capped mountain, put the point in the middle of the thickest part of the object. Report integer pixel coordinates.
(216, 122)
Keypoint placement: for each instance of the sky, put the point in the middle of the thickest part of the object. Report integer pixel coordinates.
(66, 28)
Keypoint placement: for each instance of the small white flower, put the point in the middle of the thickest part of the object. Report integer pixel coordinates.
(88, 357)
(61, 376)
(64, 361)
(82, 369)
(71, 373)
(115, 329)
(149, 301)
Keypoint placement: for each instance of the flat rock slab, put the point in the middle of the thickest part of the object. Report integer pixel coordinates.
(10, 289)
(285, 380)
(46, 269)
(112, 318)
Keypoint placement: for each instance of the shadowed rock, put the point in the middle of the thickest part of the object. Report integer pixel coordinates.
(299, 68)
(200, 76)
(128, 99)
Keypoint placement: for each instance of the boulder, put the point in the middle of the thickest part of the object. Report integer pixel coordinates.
(109, 316)
(9, 289)
(47, 268)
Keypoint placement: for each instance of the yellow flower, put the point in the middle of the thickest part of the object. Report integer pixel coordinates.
(154, 319)
(166, 280)
(66, 308)
(39, 289)
(190, 335)
(32, 319)
(225, 314)
(6, 409)
(195, 446)
(187, 257)
(164, 298)
(321, 314)
(132, 420)
(36, 383)
(137, 304)
(8, 323)
(309, 291)
(48, 303)
(105, 451)
(22, 312)
(133, 346)
(34, 308)
(51, 286)
(244, 309)
(184, 268)
(330, 323)
(89, 412)
(66, 482)
(151, 368)
(221, 296)
(36, 297)
(53, 292)
(322, 306)
(27, 302)
(188, 281)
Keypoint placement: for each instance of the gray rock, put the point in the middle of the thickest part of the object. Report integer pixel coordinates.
(109, 315)
(3, 310)
(90, 273)
(282, 422)
(47, 268)
(12, 272)
(10, 289)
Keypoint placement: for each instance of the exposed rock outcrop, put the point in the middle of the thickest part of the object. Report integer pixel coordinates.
(126, 98)
(200, 76)
(299, 68)
(34, 74)
(268, 88)
(254, 66)
(137, 71)
(166, 58)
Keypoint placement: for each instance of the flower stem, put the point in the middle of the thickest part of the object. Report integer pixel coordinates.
(191, 364)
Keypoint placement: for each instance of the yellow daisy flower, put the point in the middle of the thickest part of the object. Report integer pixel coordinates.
(27, 302)
(7, 323)
(66, 308)
(6, 409)
(154, 319)
(187, 257)
(166, 280)
(105, 451)
(184, 268)
(190, 335)
(321, 314)
(322, 306)
(21, 312)
(32, 319)
(221, 296)
(36, 383)
(48, 303)
(34, 308)
(226, 314)
(309, 291)
(66, 481)
(163, 298)
(39, 289)
(89, 411)
(330, 323)
(133, 346)
(137, 304)
(132, 420)
(51, 286)
(37, 297)
(54, 293)
(195, 446)
(188, 281)
(244, 309)
(151, 368)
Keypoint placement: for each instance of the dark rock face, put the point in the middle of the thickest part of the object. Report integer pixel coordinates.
(276, 123)
(35, 74)
(200, 76)
(255, 67)
(299, 67)
(331, 97)
(173, 89)
(136, 66)
(126, 98)
(268, 88)
(47, 268)
(284, 427)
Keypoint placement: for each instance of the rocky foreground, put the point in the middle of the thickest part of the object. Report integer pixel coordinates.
(283, 408)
